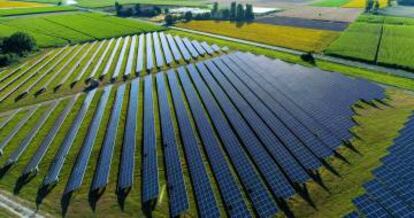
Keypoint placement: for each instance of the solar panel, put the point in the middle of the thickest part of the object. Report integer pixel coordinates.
(174, 49)
(166, 49)
(157, 48)
(9, 118)
(149, 54)
(182, 48)
(190, 47)
(101, 59)
(291, 132)
(127, 165)
(130, 61)
(198, 47)
(369, 208)
(14, 157)
(279, 153)
(52, 175)
(103, 167)
(178, 199)
(121, 58)
(18, 126)
(140, 55)
(41, 151)
(79, 168)
(111, 58)
(206, 202)
(150, 189)
(233, 199)
(215, 48)
(257, 192)
(207, 48)
(72, 69)
(272, 174)
(89, 63)
(12, 72)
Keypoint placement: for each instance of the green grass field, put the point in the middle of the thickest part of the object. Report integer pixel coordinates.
(362, 41)
(58, 30)
(330, 3)
(39, 10)
(109, 3)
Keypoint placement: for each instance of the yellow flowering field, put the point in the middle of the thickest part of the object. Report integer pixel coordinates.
(362, 3)
(4, 4)
(284, 36)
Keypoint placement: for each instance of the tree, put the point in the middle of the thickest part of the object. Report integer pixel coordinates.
(169, 19)
(240, 12)
(214, 11)
(137, 9)
(233, 11)
(166, 11)
(19, 43)
(188, 16)
(225, 14)
(249, 15)
(118, 8)
(368, 5)
(157, 10)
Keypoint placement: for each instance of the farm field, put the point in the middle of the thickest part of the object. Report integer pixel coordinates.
(289, 37)
(362, 41)
(67, 70)
(6, 4)
(302, 22)
(323, 13)
(169, 94)
(330, 3)
(36, 10)
(59, 30)
(362, 3)
(109, 3)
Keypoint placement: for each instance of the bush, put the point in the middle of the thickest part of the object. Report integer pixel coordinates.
(308, 57)
(188, 16)
(169, 19)
(6, 59)
(19, 43)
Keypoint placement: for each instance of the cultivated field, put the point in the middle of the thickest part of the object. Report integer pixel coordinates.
(362, 41)
(301, 22)
(58, 30)
(6, 4)
(362, 4)
(290, 37)
(109, 3)
(35, 10)
(323, 13)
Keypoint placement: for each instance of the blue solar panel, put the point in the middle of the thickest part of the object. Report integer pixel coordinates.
(182, 48)
(166, 49)
(9, 118)
(103, 167)
(369, 208)
(279, 153)
(78, 170)
(174, 49)
(41, 151)
(157, 48)
(278, 183)
(26, 141)
(287, 135)
(18, 126)
(59, 159)
(352, 215)
(150, 182)
(140, 55)
(121, 58)
(256, 190)
(178, 199)
(190, 48)
(131, 55)
(127, 165)
(101, 59)
(207, 48)
(149, 53)
(233, 199)
(206, 202)
(111, 58)
(198, 47)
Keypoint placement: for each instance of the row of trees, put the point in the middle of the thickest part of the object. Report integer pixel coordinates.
(137, 10)
(236, 12)
(15, 46)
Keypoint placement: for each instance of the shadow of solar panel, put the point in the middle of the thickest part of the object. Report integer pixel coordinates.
(206, 202)
(150, 183)
(78, 170)
(230, 191)
(103, 167)
(178, 199)
(41, 151)
(127, 165)
(52, 175)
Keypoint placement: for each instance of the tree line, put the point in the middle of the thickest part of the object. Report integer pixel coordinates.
(15, 46)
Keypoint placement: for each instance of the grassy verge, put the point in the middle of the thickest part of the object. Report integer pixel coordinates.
(39, 10)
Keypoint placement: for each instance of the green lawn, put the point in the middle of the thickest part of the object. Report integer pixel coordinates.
(39, 10)
(330, 3)
(59, 29)
(109, 3)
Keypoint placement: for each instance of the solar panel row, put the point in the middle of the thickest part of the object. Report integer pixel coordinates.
(121, 58)
(157, 49)
(111, 58)
(9, 117)
(52, 175)
(101, 59)
(72, 69)
(89, 63)
(174, 49)
(165, 48)
(130, 61)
